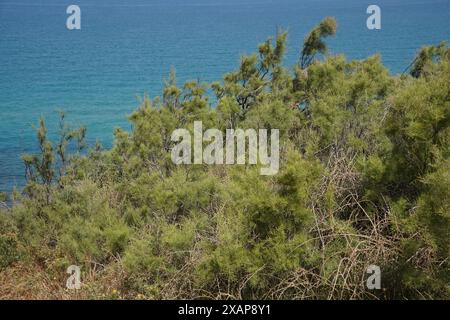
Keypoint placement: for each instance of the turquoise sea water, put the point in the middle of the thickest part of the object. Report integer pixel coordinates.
(126, 48)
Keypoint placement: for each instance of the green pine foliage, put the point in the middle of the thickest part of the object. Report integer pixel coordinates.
(364, 179)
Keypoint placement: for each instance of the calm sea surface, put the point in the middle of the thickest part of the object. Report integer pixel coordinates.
(126, 48)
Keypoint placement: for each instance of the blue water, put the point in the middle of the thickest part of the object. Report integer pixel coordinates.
(126, 48)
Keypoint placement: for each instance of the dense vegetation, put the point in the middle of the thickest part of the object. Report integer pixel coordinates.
(364, 179)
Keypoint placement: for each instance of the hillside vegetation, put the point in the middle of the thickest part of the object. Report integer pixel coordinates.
(364, 180)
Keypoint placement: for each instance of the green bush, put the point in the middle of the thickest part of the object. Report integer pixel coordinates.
(364, 179)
